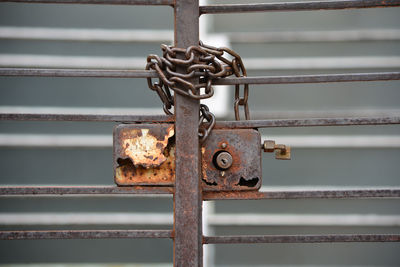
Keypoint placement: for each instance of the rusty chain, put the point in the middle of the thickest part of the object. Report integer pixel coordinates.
(204, 62)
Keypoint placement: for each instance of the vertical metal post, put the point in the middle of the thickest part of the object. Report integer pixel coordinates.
(188, 250)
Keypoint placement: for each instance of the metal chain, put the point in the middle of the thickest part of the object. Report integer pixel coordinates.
(205, 62)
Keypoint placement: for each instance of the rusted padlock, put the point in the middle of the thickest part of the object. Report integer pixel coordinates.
(144, 154)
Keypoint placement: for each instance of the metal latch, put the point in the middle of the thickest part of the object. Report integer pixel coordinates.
(144, 154)
(281, 151)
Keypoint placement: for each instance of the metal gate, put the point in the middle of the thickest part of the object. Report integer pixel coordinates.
(188, 196)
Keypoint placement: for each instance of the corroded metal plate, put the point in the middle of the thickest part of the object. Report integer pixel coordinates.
(244, 146)
(144, 154)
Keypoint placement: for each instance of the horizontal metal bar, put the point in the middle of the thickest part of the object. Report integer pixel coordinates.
(265, 194)
(86, 35)
(78, 73)
(97, 2)
(295, 141)
(305, 194)
(237, 219)
(314, 36)
(316, 78)
(306, 122)
(84, 234)
(84, 117)
(82, 190)
(249, 239)
(292, 63)
(297, 6)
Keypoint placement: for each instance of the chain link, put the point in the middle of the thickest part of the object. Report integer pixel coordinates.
(205, 63)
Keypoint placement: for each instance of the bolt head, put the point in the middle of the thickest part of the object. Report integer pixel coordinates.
(269, 146)
(224, 145)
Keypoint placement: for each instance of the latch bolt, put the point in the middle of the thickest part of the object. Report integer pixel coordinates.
(281, 151)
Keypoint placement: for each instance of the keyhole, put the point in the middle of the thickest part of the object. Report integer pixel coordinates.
(223, 160)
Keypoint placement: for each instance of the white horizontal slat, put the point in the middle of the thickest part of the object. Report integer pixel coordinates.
(357, 220)
(315, 36)
(303, 220)
(86, 35)
(80, 110)
(342, 113)
(322, 63)
(47, 61)
(295, 141)
(300, 63)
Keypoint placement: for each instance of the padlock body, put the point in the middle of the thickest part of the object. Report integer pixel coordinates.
(144, 155)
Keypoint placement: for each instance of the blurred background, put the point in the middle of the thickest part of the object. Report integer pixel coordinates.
(282, 43)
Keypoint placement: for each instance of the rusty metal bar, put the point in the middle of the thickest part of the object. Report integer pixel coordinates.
(306, 122)
(84, 117)
(82, 190)
(84, 234)
(305, 194)
(297, 6)
(250, 239)
(28, 72)
(208, 195)
(188, 250)
(98, 2)
(316, 78)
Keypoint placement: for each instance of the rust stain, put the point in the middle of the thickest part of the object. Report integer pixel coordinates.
(144, 149)
(144, 154)
(128, 174)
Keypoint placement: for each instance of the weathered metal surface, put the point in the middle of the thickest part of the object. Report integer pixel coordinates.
(188, 249)
(306, 122)
(145, 190)
(78, 73)
(84, 117)
(315, 78)
(297, 6)
(144, 154)
(287, 79)
(84, 234)
(98, 2)
(83, 190)
(245, 171)
(300, 238)
(304, 194)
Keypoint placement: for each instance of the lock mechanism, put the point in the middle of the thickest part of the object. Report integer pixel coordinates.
(144, 155)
